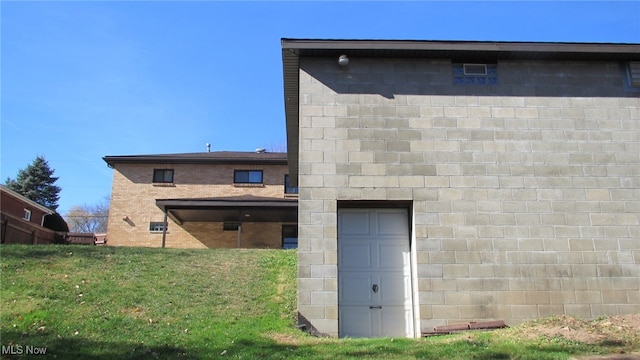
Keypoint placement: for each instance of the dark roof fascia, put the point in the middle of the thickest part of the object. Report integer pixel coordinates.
(201, 158)
(231, 202)
(446, 49)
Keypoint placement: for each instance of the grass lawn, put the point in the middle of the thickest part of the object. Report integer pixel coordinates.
(84, 302)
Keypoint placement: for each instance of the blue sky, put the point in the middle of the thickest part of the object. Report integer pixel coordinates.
(85, 79)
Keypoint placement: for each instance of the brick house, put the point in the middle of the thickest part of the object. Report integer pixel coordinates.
(23, 219)
(202, 200)
(445, 182)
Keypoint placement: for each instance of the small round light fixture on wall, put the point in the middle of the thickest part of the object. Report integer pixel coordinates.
(343, 60)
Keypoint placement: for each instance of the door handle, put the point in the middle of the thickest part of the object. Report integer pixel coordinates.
(375, 307)
(375, 288)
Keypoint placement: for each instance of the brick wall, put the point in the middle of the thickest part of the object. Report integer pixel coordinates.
(525, 194)
(133, 198)
(15, 206)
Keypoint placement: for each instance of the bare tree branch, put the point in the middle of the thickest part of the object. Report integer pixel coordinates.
(88, 218)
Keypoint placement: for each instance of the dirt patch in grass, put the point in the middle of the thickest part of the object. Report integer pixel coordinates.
(617, 335)
(136, 312)
(614, 330)
(285, 339)
(633, 356)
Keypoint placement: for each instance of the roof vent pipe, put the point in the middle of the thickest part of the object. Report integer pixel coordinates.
(261, 151)
(208, 147)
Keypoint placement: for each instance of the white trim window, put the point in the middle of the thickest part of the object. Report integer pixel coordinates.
(27, 215)
(157, 226)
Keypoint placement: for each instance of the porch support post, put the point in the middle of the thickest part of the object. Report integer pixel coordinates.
(164, 229)
(239, 228)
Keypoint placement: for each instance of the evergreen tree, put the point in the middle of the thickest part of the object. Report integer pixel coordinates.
(36, 183)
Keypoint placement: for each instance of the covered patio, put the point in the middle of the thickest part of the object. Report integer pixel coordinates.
(231, 211)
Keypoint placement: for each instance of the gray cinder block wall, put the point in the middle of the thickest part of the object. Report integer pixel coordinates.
(525, 194)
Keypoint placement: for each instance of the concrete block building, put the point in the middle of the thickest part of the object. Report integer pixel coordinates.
(445, 182)
(202, 200)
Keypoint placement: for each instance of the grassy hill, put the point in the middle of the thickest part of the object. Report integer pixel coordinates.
(136, 303)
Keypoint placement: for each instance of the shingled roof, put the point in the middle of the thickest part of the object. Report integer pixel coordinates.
(214, 157)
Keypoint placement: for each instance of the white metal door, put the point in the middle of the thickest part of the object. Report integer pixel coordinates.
(374, 273)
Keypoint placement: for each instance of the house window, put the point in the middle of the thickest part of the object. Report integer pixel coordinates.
(247, 176)
(162, 175)
(475, 74)
(157, 226)
(289, 236)
(27, 214)
(288, 189)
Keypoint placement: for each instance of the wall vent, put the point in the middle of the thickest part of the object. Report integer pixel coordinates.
(474, 74)
(475, 69)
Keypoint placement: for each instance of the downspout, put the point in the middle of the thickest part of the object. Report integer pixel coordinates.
(164, 229)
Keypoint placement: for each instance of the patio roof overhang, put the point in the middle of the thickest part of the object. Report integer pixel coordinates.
(247, 208)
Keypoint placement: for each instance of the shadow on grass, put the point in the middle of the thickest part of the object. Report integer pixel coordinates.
(259, 347)
(20, 251)
(264, 348)
(31, 251)
(15, 346)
